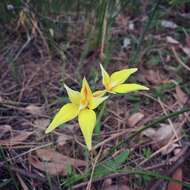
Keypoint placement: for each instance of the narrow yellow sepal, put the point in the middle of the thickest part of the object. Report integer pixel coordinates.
(74, 96)
(66, 113)
(105, 77)
(120, 77)
(125, 88)
(87, 122)
(96, 101)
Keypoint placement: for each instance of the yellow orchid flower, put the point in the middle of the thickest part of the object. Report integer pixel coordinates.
(82, 105)
(114, 83)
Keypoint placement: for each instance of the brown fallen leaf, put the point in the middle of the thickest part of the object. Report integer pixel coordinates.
(62, 139)
(17, 139)
(54, 162)
(41, 124)
(177, 175)
(106, 183)
(162, 136)
(51, 155)
(48, 167)
(135, 118)
(4, 129)
(51, 168)
(186, 50)
(155, 77)
(34, 110)
(181, 95)
(150, 133)
(171, 40)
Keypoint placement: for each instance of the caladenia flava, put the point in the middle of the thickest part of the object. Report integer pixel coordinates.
(83, 103)
(114, 83)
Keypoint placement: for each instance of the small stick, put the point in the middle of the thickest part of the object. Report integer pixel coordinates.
(93, 169)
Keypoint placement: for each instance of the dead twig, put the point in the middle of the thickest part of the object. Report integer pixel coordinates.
(93, 169)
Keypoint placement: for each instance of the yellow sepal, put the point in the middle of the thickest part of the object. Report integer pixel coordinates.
(74, 96)
(125, 88)
(105, 77)
(87, 122)
(66, 113)
(120, 77)
(96, 101)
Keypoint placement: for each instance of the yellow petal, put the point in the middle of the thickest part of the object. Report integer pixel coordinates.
(99, 93)
(87, 121)
(96, 101)
(105, 77)
(125, 88)
(120, 77)
(86, 93)
(66, 113)
(74, 96)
